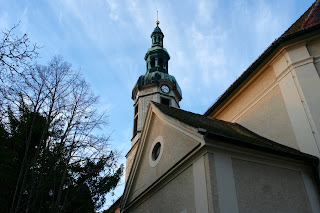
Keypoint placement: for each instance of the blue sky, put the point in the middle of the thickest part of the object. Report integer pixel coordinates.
(211, 42)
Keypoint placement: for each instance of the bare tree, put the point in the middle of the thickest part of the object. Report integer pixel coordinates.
(16, 53)
(66, 157)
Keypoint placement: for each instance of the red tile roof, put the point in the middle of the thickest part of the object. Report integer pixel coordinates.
(310, 18)
(313, 17)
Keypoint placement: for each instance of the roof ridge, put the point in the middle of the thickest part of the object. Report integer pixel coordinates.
(159, 104)
(197, 114)
(263, 138)
(227, 122)
(228, 130)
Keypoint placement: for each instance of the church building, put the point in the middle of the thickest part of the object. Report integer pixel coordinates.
(256, 149)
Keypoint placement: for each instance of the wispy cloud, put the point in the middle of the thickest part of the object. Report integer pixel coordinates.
(113, 9)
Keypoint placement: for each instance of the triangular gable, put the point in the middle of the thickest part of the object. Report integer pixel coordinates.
(177, 140)
(309, 22)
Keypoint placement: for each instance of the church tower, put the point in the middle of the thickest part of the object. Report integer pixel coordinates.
(155, 85)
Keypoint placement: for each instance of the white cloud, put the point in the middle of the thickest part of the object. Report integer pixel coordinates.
(205, 9)
(114, 9)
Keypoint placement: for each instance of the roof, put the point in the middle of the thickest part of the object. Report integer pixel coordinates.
(307, 23)
(230, 131)
(157, 30)
(114, 206)
(309, 19)
(155, 78)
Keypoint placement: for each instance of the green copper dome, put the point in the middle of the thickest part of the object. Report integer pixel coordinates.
(155, 78)
(157, 59)
(157, 30)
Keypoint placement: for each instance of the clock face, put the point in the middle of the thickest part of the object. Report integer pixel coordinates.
(165, 89)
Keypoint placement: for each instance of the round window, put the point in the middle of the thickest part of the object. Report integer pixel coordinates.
(156, 151)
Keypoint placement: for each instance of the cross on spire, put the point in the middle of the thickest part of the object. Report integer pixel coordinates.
(157, 22)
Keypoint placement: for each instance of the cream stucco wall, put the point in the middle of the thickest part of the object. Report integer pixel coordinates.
(264, 188)
(145, 96)
(281, 102)
(314, 51)
(246, 180)
(129, 160)
(220, 177)
(175, 145)
(211, 181)
(176, 196)
(247, 96)
(299, 81)
(260, 108)
(314, 47)
(269, 118)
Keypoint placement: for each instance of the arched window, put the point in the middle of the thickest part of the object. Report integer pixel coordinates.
(153, 61)
(160, 62)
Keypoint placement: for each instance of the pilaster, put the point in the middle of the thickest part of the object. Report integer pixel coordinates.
(299, 83)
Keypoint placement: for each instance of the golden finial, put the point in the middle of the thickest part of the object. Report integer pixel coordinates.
(157, 22)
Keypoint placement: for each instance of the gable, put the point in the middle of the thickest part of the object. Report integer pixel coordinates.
(307, 25)
(176, 140)
(260, 107)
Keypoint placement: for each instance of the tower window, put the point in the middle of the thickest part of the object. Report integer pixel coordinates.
(135, 126)
(160, 62)
(136, 110)
(165, 101)
(153, 61)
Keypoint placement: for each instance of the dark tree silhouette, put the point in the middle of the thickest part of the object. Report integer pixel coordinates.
(52, 159)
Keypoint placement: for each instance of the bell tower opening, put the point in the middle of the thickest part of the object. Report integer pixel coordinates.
(160, 62)
(153, 62)
(165, 101)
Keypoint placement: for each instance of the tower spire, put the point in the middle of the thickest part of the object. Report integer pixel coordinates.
(157, 22)
(155, 85)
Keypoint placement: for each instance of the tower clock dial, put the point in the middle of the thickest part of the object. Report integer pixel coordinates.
(165, 89)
